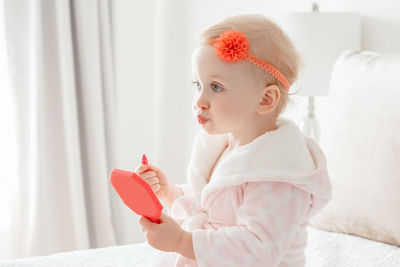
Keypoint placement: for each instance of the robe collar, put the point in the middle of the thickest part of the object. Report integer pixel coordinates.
(280, 155)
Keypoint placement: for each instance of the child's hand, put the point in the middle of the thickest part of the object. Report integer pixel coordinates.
(156, 179)
(165, 236)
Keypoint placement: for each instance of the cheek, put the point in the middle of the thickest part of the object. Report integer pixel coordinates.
(241, 104)
(233, 110)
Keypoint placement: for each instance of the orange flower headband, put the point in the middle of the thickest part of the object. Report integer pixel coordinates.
(233, 46)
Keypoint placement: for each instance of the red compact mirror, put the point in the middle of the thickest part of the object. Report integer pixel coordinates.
(136, 194)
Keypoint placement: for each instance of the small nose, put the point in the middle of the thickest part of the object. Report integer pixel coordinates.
(201, 101)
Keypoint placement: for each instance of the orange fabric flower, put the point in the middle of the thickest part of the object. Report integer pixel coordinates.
(232, 46)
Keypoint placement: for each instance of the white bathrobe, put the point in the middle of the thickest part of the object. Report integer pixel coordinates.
(255, 209)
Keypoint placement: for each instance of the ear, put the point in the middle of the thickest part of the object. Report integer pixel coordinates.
(269, 99)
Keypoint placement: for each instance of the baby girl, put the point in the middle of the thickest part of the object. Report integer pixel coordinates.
(254, 180)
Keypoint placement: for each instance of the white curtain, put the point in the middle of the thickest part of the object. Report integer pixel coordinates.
(69, 132)
(61, 71)
(8, 142)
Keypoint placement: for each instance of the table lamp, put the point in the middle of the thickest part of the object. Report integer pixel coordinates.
(319, 37)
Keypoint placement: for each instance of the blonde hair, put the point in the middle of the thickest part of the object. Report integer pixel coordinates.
(268, 42)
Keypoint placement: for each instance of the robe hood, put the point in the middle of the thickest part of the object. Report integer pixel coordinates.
(281, 155)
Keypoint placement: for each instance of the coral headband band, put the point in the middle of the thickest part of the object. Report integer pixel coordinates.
(233, 46)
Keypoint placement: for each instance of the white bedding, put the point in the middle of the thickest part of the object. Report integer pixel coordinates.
(331, 249)
(327, 249)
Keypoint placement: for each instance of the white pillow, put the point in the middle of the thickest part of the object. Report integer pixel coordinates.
(361, 140)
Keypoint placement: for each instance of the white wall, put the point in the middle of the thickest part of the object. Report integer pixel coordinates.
(132, 28)
(134, 43)
(380, 18)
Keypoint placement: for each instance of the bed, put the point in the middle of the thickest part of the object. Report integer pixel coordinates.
(328, 249)
(350, 231)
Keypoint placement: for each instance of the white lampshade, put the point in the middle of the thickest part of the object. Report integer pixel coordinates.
(320, 37)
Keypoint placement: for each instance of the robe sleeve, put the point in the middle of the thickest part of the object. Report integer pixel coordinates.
(184, 206)
(186, 190)
(267, 220)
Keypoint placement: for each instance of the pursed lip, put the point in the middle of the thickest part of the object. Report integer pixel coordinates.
(201, 119)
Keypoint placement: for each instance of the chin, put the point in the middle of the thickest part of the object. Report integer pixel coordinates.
(212, 131)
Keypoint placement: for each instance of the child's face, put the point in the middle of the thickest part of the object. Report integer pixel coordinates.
(228, 101)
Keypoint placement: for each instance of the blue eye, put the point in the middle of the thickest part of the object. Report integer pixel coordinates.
(197, 84)
(216, 86)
